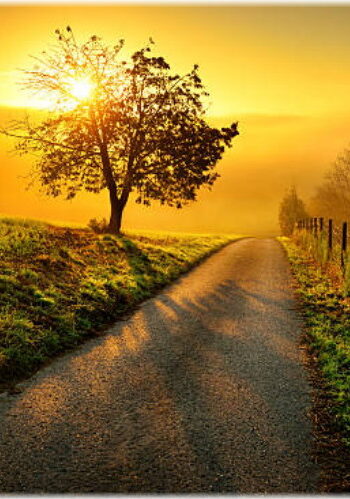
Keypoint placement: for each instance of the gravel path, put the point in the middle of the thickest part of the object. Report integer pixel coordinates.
(201, 390)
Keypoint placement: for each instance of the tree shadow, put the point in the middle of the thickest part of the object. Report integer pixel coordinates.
(194, 393)
(255, 371)
(138, 260)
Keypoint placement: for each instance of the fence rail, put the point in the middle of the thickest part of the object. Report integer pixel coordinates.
(328, 234)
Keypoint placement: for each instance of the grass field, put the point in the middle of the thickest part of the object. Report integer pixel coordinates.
(59, 285)
(327, 319)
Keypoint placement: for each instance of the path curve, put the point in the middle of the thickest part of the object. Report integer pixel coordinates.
(201, 390)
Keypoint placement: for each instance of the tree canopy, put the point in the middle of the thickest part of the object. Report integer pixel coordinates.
(292, 209)
(125, 125)
(332, 197)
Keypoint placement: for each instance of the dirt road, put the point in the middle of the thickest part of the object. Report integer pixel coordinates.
(201, 390)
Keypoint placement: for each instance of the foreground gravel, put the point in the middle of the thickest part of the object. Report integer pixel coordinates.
(201, 390)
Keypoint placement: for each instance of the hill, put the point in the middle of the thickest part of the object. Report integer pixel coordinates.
(59, 285)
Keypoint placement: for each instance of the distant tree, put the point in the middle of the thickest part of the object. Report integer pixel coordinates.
(122, 125)
(332, 197)
(292, 209)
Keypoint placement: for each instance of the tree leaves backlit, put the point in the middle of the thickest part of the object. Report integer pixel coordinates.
(122, 125)
(332, 196)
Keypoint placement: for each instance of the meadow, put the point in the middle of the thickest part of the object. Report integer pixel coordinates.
(60, 285)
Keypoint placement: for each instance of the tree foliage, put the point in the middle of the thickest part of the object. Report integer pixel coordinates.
(141, 127)
(292, 209)
(332, 197)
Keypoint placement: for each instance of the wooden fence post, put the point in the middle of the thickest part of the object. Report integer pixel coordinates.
(330, 237)
(315, 226)
(321, 224)
(344, 244)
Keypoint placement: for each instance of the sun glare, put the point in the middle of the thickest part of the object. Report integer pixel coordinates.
(80, 88)
(74, 90)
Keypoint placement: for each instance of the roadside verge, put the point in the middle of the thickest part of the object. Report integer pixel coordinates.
(326, 315)
(60, 285)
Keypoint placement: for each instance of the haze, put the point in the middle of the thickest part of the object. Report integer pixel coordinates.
(282, 72)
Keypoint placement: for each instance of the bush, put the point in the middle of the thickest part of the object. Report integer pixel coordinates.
(98, 226)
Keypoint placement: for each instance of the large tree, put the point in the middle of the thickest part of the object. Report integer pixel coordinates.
(292, 209)
(122, 125)
(332, 197)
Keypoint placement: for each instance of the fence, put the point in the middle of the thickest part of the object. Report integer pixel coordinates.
(330, 232)
(326, 240)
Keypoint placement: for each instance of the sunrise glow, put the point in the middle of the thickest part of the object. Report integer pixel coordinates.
(174, 247)
(281, 71)
(80, 88)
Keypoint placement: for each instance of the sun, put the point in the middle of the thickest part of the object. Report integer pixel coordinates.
(71, 92)
(80, 88)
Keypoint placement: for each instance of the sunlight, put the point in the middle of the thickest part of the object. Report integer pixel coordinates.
(74, 91)
(80, 88)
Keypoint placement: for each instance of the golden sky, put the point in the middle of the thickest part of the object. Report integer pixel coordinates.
(282, 71)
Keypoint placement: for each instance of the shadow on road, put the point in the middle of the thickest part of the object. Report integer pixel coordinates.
(197, 393)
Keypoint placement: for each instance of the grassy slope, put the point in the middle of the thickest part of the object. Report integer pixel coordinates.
(59, 285)
(327, 318)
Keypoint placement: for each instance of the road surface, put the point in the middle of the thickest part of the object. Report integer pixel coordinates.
(202, 390)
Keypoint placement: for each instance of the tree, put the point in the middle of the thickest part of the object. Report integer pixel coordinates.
(332, 197)
(121, 125)
(292, 209)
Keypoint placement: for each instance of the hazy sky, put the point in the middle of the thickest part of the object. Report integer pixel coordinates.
(282, 71)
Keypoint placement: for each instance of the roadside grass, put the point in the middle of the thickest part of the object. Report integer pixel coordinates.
(328, 260)
(327, 319)
(60, 285)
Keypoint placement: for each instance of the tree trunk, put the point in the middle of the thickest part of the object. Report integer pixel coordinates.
(116, 212)
(117, 204)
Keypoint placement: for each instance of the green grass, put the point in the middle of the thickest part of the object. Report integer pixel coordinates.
(60, 285)
(327, 319)
(329, 261)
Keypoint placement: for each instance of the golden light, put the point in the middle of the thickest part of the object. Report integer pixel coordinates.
(80, 88)
(70, 93)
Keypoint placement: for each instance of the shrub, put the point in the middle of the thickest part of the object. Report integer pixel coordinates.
(98, 226)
